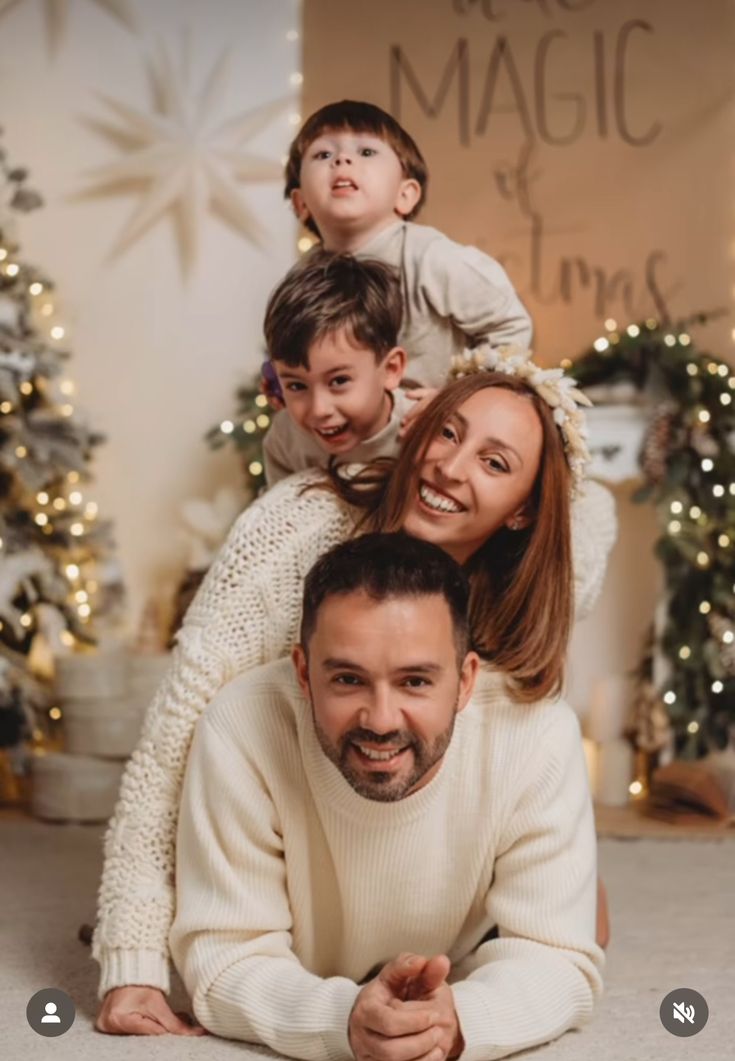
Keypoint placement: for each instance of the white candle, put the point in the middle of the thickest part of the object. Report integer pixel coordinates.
(609, 707)
(590, 755)
(661, 664)
(614, 773)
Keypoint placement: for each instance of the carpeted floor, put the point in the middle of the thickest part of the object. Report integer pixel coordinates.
(673, 916)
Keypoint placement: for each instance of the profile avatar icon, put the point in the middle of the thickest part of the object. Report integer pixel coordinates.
(51, 1014)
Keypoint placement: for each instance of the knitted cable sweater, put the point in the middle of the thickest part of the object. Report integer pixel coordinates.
(246, 613)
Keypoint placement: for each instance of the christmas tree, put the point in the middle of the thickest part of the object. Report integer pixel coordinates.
(246, 431)
(55, 571)
(688, 469)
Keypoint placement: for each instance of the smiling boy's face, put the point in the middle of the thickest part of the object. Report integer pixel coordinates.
(352, 185)
(342, 397)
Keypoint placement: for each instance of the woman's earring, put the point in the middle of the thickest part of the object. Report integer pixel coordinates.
(515, 524)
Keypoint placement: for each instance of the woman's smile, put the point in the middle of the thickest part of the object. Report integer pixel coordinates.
(436, 501)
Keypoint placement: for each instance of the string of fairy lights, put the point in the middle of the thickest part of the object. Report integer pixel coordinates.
(248, 427)
(58, 509)
(695, 509)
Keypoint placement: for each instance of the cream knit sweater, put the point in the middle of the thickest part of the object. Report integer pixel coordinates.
(292, 889)
(455, 297)
(288, 448)
(246, 613)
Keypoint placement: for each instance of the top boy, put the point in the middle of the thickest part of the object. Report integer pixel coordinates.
(356, 178)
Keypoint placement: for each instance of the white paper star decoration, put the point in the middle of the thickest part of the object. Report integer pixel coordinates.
(182, 160)
(57, 12)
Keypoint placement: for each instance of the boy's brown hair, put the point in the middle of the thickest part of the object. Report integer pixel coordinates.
(326, 291)
(358, 117)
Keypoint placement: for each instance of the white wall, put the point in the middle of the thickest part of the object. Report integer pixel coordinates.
(156, 357)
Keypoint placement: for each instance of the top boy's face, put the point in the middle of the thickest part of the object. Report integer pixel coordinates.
(340, 398)
(352, 182)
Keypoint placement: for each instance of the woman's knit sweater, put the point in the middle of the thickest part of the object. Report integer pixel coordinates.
(246, 613)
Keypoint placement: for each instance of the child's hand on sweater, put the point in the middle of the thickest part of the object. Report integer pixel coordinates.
(423, 396)
(142, 1011)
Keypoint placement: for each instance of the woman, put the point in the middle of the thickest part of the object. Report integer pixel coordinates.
(485, 475)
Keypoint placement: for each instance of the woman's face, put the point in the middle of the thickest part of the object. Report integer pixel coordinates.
(477, 473)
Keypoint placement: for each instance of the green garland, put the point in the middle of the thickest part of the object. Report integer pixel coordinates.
(246, 430)
(688, 465)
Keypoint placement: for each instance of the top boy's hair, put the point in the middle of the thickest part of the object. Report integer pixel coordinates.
(358, 118)
(385, 567)
(326, 291)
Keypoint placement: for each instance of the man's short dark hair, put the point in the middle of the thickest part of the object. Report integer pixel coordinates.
(327, 291)
(386, 566)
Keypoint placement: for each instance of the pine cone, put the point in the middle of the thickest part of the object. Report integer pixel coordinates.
(658, 442)
(649, 726)
(720, 625)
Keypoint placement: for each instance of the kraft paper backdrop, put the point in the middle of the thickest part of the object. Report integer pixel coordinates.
(587, 144)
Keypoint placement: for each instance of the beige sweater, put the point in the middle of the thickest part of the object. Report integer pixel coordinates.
(288, 448)
(292, 889)
(455, 297)
(246, 613)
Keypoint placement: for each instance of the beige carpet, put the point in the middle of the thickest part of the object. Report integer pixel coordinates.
(673, 915)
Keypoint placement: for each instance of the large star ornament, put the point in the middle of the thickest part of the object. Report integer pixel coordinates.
(57, 13)
(184, 161)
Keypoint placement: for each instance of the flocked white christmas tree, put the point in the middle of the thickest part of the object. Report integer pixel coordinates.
(56, 570)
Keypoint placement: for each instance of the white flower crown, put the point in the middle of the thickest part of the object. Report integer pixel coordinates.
(560, 392)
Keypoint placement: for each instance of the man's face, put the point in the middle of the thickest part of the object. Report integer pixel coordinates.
(385, 685)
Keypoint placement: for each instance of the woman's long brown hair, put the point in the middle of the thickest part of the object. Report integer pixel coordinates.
(521, 581)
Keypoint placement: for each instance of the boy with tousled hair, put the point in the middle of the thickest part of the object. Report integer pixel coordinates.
(331, 330)
(356, 179)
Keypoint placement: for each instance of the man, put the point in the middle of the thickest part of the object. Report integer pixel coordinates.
(353, 827)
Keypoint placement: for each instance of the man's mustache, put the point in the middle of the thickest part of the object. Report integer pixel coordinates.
(364, 736)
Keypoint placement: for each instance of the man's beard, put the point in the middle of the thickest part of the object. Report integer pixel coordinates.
(385, 786)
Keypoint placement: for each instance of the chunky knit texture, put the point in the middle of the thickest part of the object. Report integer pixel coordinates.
(246, 613)
(292, 888)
